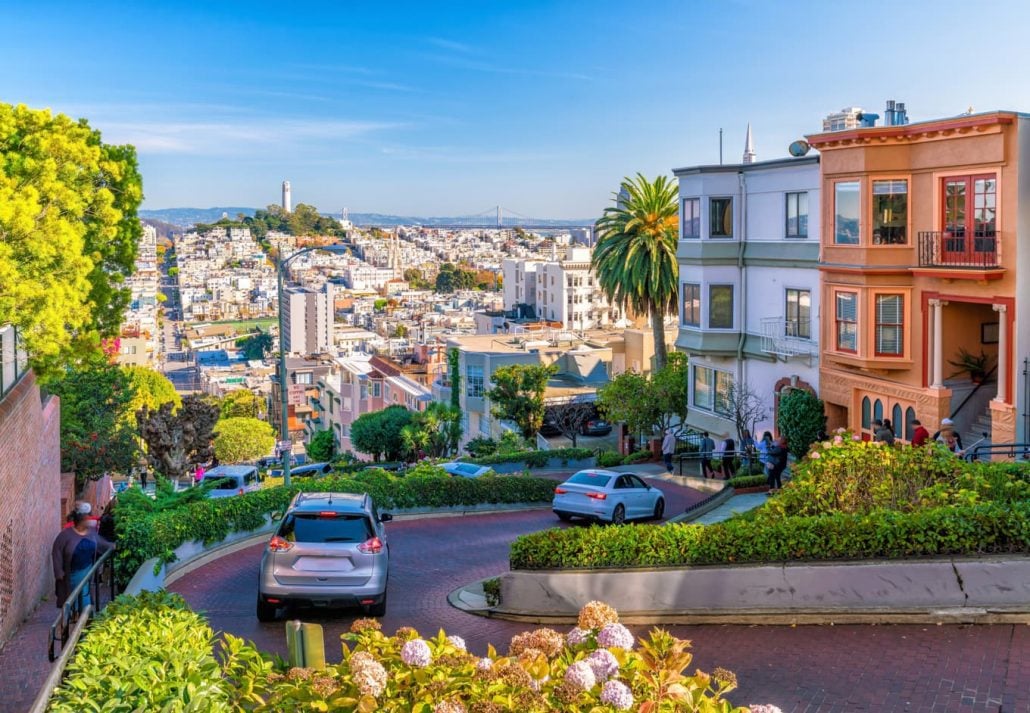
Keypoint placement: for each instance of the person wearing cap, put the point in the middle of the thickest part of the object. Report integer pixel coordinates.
(947, 425)
(86, 510)
(74, 551)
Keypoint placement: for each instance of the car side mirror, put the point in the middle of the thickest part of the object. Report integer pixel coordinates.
(385, 517)
(276, 516)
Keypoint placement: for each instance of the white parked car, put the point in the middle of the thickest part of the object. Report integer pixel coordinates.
(465, 470)
(607, 496)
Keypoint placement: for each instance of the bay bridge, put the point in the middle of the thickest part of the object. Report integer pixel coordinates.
(499, 218)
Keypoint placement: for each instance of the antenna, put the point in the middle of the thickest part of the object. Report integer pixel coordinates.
(720, 147)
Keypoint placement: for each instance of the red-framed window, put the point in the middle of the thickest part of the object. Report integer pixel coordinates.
(847, 321)
(890, 325)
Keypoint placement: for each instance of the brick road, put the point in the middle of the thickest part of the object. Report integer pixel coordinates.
(804, 669)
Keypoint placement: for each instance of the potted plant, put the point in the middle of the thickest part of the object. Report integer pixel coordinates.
(975, 365)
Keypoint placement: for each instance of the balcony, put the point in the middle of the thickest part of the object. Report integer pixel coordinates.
(783, 338)
(949, 250)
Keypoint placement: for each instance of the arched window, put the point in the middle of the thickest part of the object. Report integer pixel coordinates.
(910, 429)
(877, 411)
(866, 418)
(896, 420)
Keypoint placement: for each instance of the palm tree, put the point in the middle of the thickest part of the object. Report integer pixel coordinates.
(635, 255)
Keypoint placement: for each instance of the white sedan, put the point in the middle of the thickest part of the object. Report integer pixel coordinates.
(607, 496)
(465, 470)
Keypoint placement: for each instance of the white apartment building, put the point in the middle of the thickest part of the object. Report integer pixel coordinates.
(749, 284)
(308, 318)
(563, 291)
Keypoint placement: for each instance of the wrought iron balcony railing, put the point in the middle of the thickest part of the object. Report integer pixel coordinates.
(960, 250)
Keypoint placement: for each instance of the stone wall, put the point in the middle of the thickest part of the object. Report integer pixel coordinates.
(30, 510)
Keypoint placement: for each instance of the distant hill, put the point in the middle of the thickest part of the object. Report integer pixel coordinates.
(185, 217)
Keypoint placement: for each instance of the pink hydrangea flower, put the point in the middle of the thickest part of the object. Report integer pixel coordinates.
(577, 636)
(457, 642)
(581, 676)
(838, 440)
(763, 708)
(617, 695)
(416, 653)
(856, 437)
(815, 454)
(485, 664)
(615, 636)
(603, 663)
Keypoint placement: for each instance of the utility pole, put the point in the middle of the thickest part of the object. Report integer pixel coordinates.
(720, 147)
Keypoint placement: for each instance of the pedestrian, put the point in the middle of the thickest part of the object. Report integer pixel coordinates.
(882, 433)
(763, 450)
(728, 454)
(668, 448)
(86, 509)
(920, 436)
(707, 448)
(143, 477)
(951, 441)
(73, 554)
(777, 463)
(947, 425)
(747, 449)
(198, 474)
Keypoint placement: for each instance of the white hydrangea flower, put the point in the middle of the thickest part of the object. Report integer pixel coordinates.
(416, 653)
(615, 636)
(581, 676)
(617, 695)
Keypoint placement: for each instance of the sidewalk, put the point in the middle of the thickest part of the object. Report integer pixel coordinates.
(736, 504)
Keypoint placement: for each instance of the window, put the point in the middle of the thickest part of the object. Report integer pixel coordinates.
(867, 419)
(847, 321)
(720, 218)
(797, 215)
(889, 324)
(692, 218)
(910, 428)
(691, 305)
(720, 306)
(712, 390)
(890, 212)
(896, 420)
(377, 389)
(474, 381)
(302, 377)
(798, 311)
(845, 216)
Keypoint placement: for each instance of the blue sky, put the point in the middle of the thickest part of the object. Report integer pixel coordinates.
(451, 108)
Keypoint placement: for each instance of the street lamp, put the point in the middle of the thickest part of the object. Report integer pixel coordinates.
(284, 428)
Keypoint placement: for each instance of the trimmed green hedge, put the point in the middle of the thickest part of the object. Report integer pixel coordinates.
(142, 535)
(985, 528)
(534, 459)
(747, 481)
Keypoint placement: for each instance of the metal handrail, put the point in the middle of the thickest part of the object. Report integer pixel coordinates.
(1016, 451)
(69, 611)
(987, 376)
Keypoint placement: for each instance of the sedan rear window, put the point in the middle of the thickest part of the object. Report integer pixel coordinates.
(318, 528)
(594, 479)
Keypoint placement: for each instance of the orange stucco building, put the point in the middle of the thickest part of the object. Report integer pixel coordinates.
(924, 254)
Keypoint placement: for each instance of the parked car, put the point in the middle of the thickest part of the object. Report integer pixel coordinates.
(607, 496)
(231, 480)
(330, 550)
(549, 428)
(465, 470)
(269, 461)
(311, 470)
(596, 427)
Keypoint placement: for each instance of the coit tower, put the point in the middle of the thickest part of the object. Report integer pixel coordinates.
(287, 206)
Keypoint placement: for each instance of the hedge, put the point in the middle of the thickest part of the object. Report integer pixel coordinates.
(747, 481)
(986, 528)
(142, 535)
(535, 459)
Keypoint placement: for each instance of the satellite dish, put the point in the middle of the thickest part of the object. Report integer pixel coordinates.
(799, 148)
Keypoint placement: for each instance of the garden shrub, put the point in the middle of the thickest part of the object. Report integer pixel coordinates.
(609, 459)
(480, 446)
(535, 459)
(639, 456)
(598, 666)
(800, 419)
(747, 481)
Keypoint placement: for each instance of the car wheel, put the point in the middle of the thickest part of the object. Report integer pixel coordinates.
(377, 609)
(659, 509)
(619, 514)
(265, 611)
(563, 516)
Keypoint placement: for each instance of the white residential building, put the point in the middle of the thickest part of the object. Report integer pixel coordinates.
(308, 319)
(749, 283)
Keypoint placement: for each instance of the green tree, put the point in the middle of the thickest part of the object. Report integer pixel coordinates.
(177, 440)
(162, 297)
(379, 433)
(454, 372)
(150, 388)
(648, 403)
(322, 446)
(256, 346)
(635, 255)
(800, 418)
(435, 431)
(95, 437)
(173, 271)
(242, 403)
(452, 278)
(518, 395)
(238, 440)
(68, 234)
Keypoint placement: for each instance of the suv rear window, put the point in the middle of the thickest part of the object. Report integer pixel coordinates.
(227, 484)
(315, 527)
(595, 479)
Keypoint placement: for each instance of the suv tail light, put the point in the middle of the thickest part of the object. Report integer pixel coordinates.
(372, 546)
(560, 491)
(597, 496)
(278, 544)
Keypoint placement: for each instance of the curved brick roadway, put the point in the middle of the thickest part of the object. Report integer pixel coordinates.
(804, 669)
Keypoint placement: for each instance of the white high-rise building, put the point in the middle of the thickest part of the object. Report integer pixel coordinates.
(308, 317)
(846, 118)
(287, 199)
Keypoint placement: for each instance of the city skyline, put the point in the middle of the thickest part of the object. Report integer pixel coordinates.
(541, 108)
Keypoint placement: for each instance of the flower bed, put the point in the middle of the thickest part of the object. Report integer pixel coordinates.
(152, 653)
(847, 500)
(143, 533)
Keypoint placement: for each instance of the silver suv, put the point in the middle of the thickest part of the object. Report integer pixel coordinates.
(330, 550)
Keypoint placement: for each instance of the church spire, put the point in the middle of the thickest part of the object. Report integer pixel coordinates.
(749, 147)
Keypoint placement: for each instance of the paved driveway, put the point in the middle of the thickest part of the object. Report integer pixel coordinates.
(807, 668)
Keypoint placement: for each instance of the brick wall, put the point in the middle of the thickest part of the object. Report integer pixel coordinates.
(30, 509)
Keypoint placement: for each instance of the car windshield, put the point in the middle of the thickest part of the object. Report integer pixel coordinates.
(595, 480)
(316, 527)
(467, 468)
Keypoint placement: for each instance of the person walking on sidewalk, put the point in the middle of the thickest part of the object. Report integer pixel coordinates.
(707, 447)
(668, 448)
(777, 463)
(75, 550)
